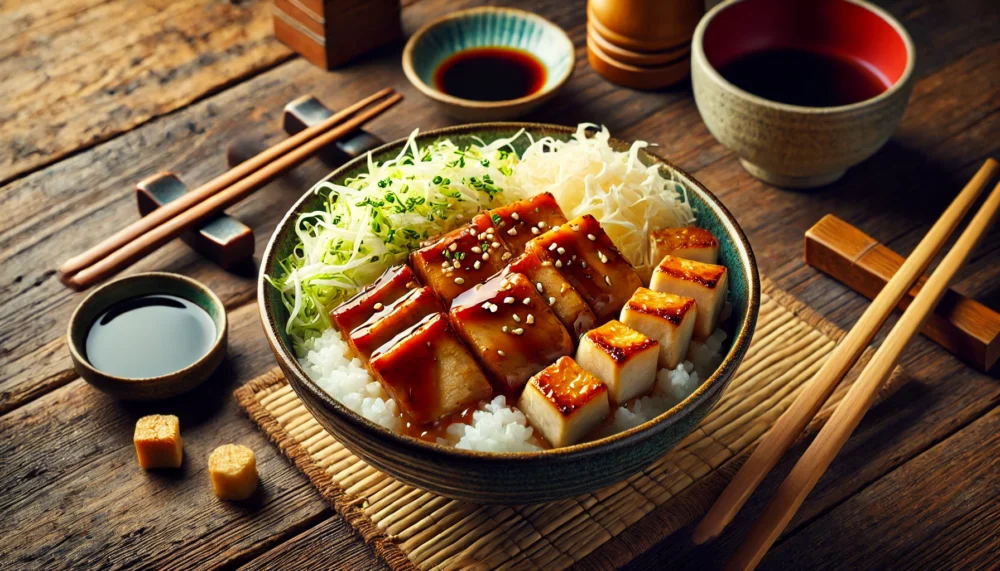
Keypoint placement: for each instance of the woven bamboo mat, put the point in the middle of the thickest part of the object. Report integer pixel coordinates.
(413, 529)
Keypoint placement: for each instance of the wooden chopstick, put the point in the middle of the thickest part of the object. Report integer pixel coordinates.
(159, 235)
(159, 216)
(859, 397)
(790, 425)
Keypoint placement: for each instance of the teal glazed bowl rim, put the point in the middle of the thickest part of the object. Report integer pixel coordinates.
(552, 84)
(709, 390)
(147, 283)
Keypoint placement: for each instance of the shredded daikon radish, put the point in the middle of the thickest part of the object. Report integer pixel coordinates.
(374, 220)
(587, 176)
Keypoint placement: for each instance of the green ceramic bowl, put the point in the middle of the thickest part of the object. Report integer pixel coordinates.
(150, 388)
(490, 478)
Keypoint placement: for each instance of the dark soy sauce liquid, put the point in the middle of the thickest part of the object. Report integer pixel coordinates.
(149, 336)
(800, 77)
(490, 74)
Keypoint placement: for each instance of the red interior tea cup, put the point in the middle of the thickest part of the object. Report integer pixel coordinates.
(793, 53)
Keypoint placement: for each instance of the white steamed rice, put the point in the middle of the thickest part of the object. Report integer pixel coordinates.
(497, 426)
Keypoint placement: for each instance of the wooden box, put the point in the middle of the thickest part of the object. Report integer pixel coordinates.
(330, 33)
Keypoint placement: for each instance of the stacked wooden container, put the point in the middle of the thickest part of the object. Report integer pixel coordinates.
(330, 33)
(643, 44)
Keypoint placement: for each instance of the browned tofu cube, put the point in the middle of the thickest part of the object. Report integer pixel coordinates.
(688, 242)
(158, 441)
(621, 357)
(549, 282)
(589, 261)
(564, 402)
(520, 221)
(707, 284)
(392, 285)
(429, 372)
(460, 259)
(384, 325)
(510, 329)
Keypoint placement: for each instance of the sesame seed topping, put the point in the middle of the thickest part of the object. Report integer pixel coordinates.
(508, 300)
(460, 281)
(504, 329)
(495, 244)
(591, 237)
(607, 279)
(604, 259)
(552, 300)
(486, 255)
(515, 216)
(534, 230)
(501, 353)
(493, 308)
(505, 256)
(553, 246)
(512, 231)
(556, 227)
(517, 318)
(486, 305)
(542, 224)
(526, 301)
(453, 246)
(456, 263)
(558, 263)
(531, 319)
(477, 264)
(546, 263)
(568, 262)
(538, 286)
(561, 250)
(574, 227)
(518, 331)
(482, 236)
(378, 307)
(477, 250)
(584, 264)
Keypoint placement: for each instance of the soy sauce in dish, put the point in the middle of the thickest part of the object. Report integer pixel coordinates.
(802, 77)
(149, 336)
(490, 74)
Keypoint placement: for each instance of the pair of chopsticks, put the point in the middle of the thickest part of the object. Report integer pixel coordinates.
(157, 228)
(856, 403)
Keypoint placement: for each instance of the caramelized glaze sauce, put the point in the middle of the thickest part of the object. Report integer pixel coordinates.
(519, 222)
(708, 275)
(395, 318)
(685, 237)
(619, 341)
(460, 259)
(567, 385)
(389, 287)
(666, 306)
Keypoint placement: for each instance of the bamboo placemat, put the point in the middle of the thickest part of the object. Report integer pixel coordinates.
(413, 529)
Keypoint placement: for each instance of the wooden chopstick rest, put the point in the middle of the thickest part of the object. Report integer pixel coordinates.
(223, 239)
(300, 114)
(963, 326)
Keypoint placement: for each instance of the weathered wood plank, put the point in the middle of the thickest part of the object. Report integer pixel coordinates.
(75, 496)
(78, 73)
(938, 511)
(342, 548)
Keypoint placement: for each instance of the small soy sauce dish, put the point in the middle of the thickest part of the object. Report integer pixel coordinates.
(489, 63)
(148, 336)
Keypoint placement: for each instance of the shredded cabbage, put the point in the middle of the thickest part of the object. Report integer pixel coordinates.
(587, 176)
(375, 219)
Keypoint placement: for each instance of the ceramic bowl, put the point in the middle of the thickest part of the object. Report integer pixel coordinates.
(150, 388)
(490, 478)
(791, 145)
(488, 27)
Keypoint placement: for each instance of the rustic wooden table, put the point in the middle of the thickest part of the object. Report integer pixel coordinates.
(99, 94)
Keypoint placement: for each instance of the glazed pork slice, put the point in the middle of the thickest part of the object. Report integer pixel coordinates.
(666, 317)
(589, 261)
(689, 242)
(390, 286)
(385, 325)
(520, 221)
(622, 358)
(564, 402)
(705, 283)
(569, 307)
(429, 372)
(510, 329)
(460, 259)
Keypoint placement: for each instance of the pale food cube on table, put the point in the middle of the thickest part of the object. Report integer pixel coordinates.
(666, 317)
(232, 469)
(705, 283)
(623, 358)
(689, 242)
(564, 402)
(157, 441)
(429, 372)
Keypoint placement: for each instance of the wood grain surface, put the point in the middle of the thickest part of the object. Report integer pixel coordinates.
(73, 494)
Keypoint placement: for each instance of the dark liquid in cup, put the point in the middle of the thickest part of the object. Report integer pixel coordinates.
(807, 78)
(149, 336)
(490, 74)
